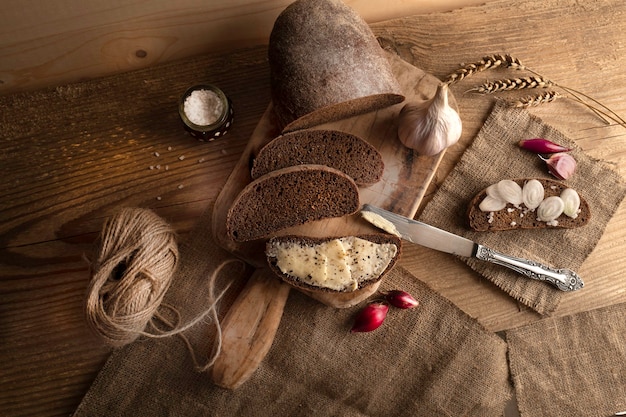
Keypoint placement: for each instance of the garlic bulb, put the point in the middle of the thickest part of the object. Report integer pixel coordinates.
(430, 126)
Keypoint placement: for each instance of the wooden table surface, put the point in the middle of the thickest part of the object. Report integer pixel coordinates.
(71, 155)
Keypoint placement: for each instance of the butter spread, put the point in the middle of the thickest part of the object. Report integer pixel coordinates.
(338, 264)
(380, 222)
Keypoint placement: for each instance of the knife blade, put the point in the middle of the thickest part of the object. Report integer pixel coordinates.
(432, 237)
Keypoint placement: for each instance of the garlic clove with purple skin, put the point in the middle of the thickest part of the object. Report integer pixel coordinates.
(430, 126)
(562, 165)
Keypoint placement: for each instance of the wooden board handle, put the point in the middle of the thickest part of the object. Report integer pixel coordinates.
(249, 328)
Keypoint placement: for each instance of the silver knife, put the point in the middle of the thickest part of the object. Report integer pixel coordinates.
(441, 240)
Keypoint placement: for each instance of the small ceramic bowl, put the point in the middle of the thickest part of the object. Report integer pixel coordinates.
(206, 112)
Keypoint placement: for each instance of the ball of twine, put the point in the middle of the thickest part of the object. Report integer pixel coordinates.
(131, 273)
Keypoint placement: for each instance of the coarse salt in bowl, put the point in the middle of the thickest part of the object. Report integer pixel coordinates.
(206, 112)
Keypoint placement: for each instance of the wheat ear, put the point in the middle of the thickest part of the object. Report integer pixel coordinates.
(491, 61)
(603, 112)
(537, 99)
(508, 84)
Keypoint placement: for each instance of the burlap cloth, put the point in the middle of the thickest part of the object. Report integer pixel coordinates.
(431, 361)
(494, 155)
(571, 366)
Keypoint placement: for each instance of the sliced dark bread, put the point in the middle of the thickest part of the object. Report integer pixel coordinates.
(326, 65)
(289, 197)
(519, 217)
(378, 256)
(343, 151)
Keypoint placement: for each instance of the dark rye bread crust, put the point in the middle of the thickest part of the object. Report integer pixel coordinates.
(326, 65)
(479, 220)
(343, 151)
(289, 197)
(295, 282)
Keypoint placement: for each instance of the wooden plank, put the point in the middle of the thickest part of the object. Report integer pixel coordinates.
(52, 43)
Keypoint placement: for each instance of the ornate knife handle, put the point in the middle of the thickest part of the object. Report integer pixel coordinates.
(563, 279)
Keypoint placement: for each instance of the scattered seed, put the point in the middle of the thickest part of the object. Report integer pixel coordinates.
(181, 157)
(157, 154)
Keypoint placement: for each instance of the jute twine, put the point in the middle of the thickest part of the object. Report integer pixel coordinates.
(133, 269)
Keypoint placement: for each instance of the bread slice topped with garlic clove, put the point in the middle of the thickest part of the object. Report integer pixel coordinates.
(343, 151)
(527, 203)
(333, 264)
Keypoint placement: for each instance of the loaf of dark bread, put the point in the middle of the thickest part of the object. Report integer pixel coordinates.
(519, 217)
(366, 265)
(326, 65)
(289, 197)
(343, 151)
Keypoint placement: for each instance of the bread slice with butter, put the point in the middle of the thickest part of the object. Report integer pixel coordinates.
(343, 151)
(333, 264)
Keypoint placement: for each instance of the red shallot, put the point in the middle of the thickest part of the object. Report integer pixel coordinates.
(401, 299)
(370, 318)
(543, 146)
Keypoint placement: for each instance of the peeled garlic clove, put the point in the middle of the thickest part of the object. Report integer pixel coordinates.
(431, 126)
(490, 203)
(571, 199)
(532, 194)
(561, 165)
(550, 209)
(492, 191)
(510, 191)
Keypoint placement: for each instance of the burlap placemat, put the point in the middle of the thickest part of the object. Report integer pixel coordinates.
(434, 360)
(494, 155)
(571, 366)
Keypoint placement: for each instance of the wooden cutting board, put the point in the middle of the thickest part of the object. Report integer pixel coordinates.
(405, 179)
(251, 323)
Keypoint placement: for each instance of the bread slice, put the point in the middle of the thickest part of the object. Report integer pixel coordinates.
(343, 151)
(289, 197)
(326, 65)
(512, 217)
(333, 264)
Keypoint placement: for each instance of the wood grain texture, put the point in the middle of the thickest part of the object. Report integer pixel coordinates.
(52, 43)
(70, 155)
(249, 328)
